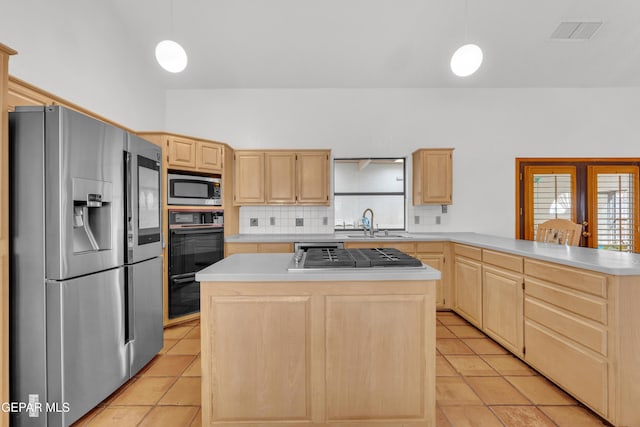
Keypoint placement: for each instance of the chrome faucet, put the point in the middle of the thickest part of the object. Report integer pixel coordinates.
(364, 215)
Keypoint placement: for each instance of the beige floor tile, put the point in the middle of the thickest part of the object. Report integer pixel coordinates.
(444, 368)
(454, 391)
(121, 416)
(185, 391)
(177, 332)
(465, 331)
(452, 346)
(185, 346)
(484, 346)
(443, 332)
(508, 365)
(144, 391)
(86, 419)
(471, 366)
(452, 320)
(571, 416)
(167, 365)
(197, 420)
(194, 370)
(471, 416)
(194, 333)
(522, 416)
(116, 393)
(540, 391)
(168, 343)
(496, 391)
(441, 419)
(169, 416)
(195, 322)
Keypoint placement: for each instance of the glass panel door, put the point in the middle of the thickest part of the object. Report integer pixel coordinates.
(550, 193)
(613, 207)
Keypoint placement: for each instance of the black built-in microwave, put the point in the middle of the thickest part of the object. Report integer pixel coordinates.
(193, 190)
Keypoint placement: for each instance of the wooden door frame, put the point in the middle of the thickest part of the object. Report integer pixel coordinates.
(543, 161)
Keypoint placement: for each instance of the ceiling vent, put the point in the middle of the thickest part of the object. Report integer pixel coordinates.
(576, 30)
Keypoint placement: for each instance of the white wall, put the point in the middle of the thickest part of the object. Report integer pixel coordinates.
(488, 128)
(80, 51)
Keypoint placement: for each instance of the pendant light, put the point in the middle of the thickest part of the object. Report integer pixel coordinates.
(169, 54)
(467, 58)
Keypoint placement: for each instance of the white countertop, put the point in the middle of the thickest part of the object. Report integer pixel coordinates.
(273, 268)
(608, 262)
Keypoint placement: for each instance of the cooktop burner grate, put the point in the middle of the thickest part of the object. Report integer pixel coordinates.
(358, 258)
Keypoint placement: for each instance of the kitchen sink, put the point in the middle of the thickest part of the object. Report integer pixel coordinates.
(379, 236)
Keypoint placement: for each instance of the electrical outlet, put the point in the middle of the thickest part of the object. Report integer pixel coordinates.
(272, 220)
(438, 219)
(325, 220)
(416, 219)
(444, 209)
(253, 222)
(299, 222)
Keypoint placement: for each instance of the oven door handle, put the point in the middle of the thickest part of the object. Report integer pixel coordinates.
(185, 280)
(203, 230)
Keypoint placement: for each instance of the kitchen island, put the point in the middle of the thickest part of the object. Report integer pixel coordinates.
(323, 348)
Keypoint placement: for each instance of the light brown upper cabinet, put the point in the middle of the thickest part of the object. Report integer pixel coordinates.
(248, 183)
(282, 177)
(194, 155)
(280, 168)
(312, 175)
(432, 176)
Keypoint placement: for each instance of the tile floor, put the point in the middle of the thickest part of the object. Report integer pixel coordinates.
(478, 384)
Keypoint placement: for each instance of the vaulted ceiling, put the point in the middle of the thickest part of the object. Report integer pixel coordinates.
(387, 43)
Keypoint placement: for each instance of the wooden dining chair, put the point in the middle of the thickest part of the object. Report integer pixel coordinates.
(561, 231)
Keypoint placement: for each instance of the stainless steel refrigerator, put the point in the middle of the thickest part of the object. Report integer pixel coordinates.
(86, 272)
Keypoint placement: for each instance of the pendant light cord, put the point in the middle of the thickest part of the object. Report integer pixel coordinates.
(466, 21)
(171, 18)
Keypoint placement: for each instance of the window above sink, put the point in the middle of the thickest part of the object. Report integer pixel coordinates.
(375, 183)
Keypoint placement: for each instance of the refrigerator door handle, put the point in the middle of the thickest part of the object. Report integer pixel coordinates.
(129, 319)
(128, 207)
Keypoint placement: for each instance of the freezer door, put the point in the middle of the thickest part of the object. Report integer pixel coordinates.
(143, 203)
(87, 357)
(145, 324)
(84, 187)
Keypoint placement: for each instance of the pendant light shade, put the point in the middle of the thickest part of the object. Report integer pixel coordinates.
(466, 60)
(171, 56)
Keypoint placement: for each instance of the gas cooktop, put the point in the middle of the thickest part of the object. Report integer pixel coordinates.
(331, 258)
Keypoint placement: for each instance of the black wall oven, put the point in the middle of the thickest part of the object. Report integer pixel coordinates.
(196, 240)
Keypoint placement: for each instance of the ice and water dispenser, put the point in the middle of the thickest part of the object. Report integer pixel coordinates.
(91, 215)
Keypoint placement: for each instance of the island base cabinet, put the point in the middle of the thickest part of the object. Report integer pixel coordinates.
(318, 354)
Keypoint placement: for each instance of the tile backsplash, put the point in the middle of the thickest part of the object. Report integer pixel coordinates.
(430, 218)
(320, 219)
(286, 219)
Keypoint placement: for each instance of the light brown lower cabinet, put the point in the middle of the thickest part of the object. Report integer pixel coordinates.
(254, 248)
(566, 331)
(578, 328)
(502, 299)
(318, 353)
(502, 307)
(467, 299)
